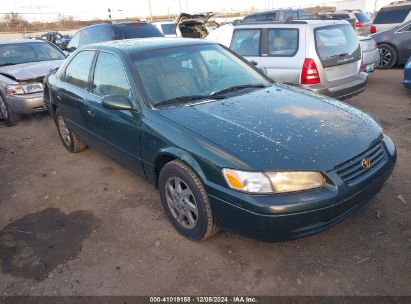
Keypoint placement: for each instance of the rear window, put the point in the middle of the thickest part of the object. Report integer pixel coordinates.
(392, 14)
(362, 17)
(335, 41)
(282, 42)
(246, 42)
(135, 30)
(261, 17)
(339, 16)
(169, 29)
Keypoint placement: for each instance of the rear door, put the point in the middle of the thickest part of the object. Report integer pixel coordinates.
(72, 93)
(339, 54)
(115, 132)
(403, 36)
(279, 50)
(389, 17)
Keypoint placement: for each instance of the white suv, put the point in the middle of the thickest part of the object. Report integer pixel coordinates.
(390, 16)
(322, 56)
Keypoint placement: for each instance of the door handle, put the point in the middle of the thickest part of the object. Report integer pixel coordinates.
(90, 113)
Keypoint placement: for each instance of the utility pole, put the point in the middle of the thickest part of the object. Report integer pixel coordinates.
(179, 3)
(149, 7)
(109, 13)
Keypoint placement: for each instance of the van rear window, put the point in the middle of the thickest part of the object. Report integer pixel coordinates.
(395, 14)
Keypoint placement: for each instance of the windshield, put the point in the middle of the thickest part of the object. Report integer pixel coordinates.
(193, 71)
(168, 28)
(18, 53)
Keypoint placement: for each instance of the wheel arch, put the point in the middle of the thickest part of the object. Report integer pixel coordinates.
(167, 155)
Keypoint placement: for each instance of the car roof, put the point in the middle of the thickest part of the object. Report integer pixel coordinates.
(10, 41)
(295, 23)
(146, 44)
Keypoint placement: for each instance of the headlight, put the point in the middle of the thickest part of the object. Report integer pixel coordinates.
(254, 182)
(14, 89)
(273, 182)
(289, 181)
(18, 89)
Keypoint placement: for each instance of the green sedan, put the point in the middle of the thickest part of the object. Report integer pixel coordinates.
(226, 147)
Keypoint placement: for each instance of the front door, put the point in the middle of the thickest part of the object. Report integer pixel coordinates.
(114, 132)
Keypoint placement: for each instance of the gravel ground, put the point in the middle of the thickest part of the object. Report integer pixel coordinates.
(79, 224)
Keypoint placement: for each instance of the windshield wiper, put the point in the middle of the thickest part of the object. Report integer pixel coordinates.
(237, 88)
(180, 99)
(7, 64)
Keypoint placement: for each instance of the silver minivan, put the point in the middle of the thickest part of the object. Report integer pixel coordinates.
(323, 56)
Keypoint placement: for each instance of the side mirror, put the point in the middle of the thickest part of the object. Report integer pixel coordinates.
(263, 70)
(116, 102)
(71, 49)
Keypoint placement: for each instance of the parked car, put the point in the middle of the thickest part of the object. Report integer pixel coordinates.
(323, 56)
(23, 64)
(357, 18)
(394, 45)
(192, 25)
(226, 146)
(274, 15)
(168, 28)
(392, 15)
(370, 54)
(112, 31)
(407, 74)
(66, 41)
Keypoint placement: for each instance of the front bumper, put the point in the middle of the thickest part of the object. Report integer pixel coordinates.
(27, 103)
(343, 91)
(289, 216)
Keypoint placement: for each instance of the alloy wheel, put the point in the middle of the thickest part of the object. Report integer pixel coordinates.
(181, 202)
(64, 131)
(386, 57)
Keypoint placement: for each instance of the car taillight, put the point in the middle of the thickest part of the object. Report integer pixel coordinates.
(373, 29)
(309, 74)
(359, 24)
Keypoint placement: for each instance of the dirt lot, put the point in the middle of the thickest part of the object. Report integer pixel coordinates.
(79, 224)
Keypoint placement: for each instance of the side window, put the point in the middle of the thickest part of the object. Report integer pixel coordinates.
(96, 34)
(77, 71)
(282, 42)
(74, 42)
(406, 28)
(109, 77)
(246, 42)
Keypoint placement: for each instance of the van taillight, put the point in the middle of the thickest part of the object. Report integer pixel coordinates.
(359, 24)
(373, 29)
(309, 74)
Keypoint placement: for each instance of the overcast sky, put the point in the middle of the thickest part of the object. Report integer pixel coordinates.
(43, 10)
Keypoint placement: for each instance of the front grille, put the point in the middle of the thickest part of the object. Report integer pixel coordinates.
(352, 170)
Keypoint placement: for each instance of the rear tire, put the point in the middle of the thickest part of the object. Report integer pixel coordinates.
(388, 56)
(69, 139)
(7, 114)
(186, 202)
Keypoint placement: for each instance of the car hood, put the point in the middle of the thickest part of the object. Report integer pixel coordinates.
(30, 70)
(281, 128)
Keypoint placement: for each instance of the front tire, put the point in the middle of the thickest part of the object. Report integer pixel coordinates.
(8, 115)
(69, 139)
(388, 56)
(186, 202)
